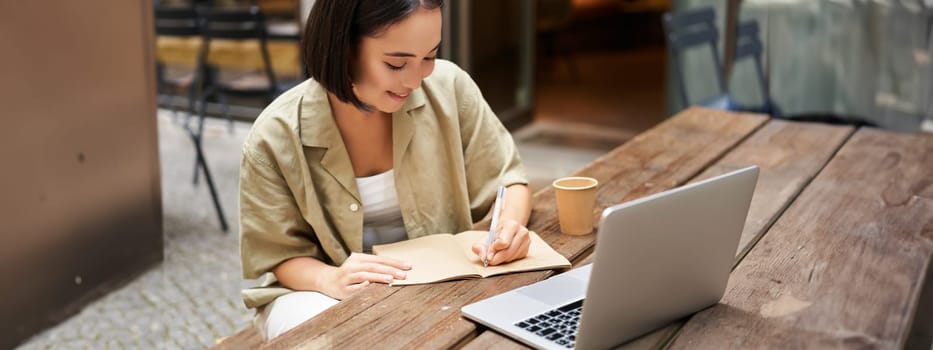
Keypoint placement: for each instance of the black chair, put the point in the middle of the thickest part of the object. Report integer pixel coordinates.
(180, 22)
(748, 46)
(244, 23)
(185, 22)
(239, 24)
(695, 28)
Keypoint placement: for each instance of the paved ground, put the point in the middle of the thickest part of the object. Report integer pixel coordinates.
(191, 300)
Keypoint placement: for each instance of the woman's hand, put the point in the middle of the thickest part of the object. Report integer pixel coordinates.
(358, 271)
(511, 244)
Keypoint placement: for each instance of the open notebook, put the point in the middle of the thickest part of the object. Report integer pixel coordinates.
(444, 257)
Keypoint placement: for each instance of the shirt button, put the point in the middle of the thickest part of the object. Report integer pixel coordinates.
(354, 207)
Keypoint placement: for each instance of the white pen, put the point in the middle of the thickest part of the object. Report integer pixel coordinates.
(495, 221)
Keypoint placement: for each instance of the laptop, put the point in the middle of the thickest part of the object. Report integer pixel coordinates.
(658, 259)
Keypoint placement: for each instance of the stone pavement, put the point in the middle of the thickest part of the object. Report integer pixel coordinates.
(191, 300)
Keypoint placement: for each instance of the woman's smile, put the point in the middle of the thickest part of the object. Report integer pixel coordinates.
(397, 96)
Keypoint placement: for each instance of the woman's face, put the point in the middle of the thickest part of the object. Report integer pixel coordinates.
(392, 64)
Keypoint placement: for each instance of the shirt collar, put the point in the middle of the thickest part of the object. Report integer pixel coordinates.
(317, 125)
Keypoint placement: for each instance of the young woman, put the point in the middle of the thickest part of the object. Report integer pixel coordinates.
(386, 142)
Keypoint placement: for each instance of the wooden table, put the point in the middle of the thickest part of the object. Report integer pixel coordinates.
(834, 252)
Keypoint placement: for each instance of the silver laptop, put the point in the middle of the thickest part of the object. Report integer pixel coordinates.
(658, 258)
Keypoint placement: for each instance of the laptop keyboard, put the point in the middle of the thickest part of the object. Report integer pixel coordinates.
(558, 325)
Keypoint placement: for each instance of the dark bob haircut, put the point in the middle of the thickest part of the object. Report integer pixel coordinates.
(333, 34)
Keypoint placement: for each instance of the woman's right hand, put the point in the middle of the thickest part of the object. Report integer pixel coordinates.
(358, 271)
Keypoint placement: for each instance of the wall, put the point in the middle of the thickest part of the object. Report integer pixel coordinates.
(81, 207)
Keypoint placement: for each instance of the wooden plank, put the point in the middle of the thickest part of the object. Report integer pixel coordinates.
(789, 154)
(428, 316)
(490, 340)
(247, 338)
(661, 158)
(332, 317)
(844, 266)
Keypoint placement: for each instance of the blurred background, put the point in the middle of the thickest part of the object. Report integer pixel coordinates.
(125, 119)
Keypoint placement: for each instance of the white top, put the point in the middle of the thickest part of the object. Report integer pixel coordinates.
(382, 218)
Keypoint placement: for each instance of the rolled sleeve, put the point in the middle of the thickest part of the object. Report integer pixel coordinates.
(490, 155)
(272, 228)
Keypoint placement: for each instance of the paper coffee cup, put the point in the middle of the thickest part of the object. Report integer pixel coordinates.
(576, 199)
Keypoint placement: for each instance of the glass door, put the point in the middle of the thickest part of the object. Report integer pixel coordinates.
(494, 42)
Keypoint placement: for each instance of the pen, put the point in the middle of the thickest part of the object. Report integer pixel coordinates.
(495, 221)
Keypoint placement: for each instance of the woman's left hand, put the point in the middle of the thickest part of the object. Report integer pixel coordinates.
(511, 243)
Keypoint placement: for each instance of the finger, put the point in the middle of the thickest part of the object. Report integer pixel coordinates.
(353, 288)
(479, 249)
(504, 240)
(518, 249)
(360, 277)
(523, 251)
(384, 269)
(358, 286)
(399, 264)
(506, 233)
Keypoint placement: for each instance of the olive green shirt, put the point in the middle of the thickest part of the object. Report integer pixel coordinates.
(298, 193)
